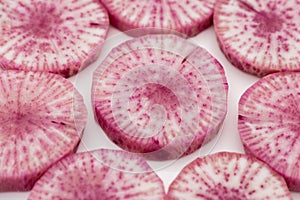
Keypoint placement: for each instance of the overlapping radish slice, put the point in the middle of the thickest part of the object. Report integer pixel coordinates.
(187, 17)
(159, 94)
(42, 117)
(224, 176)
(61, 37)
(259, 37)
(269, 124)
(101, 174)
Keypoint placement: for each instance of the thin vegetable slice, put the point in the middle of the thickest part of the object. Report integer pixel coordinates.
(42, 117)
(225, 176)
(100, 174)
(269, 124)
(61, 37)
(159, 94)
(188, 17)
(259, 37)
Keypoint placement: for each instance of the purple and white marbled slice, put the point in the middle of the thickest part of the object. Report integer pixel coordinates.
(188, 17)
(225, 176)
(61, 37)
(159, 94)
(100, 174)
(41, 120)
(269, 124)
(259, 37)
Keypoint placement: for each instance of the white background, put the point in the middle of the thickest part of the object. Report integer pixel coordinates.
(227, 140)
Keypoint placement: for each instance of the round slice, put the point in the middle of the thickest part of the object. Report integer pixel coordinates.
(61, 37)
(226, 176)
(269, 124)
(259, 37)
(41, 120)
(188, 17)
(101, 174)
(160, 94)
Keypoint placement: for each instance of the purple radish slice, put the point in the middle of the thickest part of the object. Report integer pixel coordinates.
(61, 37)
(228, 176)
(269, 124)
(159, 94)
(186, 17)
(100, 174)
(259, 37)
(41, 120)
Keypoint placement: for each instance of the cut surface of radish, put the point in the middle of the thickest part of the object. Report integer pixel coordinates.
(61, 37)
(41, 120)
(259, 37)
(100, 174)
(269, 124)
(159, 94)
(228, 176)
(188, 17)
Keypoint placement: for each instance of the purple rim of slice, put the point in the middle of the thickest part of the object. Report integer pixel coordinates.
(99, 174)
(61, 37)
(259, 37)
(226, 175)
(41, 120)
(269, 124)
(159, 94)
(186, 17)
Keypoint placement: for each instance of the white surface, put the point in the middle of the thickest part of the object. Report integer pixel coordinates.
(227, 140)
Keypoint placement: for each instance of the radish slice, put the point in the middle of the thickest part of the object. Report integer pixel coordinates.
(259, 37)
(61, 37)
(269, 124)
(100, 174)
(186, 17)
(41, 120)
(159, 94)
(225, 176)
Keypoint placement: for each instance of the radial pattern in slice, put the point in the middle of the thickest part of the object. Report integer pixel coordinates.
(41, 120)
(224, 176)
(259, 37)
(188, 17)
(159, 94)
(61, 37)
(269, 124)
(101, 174)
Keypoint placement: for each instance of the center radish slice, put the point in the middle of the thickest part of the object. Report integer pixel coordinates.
(61, 37)
(41, 120)
(159, 93)
(260, 37)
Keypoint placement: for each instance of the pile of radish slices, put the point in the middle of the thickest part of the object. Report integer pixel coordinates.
(159, 96)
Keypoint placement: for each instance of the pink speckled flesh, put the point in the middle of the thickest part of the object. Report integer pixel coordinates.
(269, 124)
(160, 94)
(101, 174)
(188, 17)
(259, 37)
(228, 176)
(61, 37)
(41, 120)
